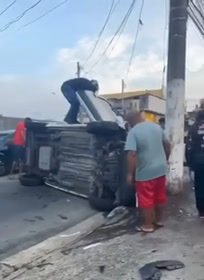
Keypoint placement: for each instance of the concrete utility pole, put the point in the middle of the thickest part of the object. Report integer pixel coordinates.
(78, 70)
(175, 107)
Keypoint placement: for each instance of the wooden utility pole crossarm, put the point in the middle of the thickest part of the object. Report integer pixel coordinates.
(176, 91)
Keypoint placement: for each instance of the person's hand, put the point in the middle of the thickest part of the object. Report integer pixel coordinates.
(130, 179)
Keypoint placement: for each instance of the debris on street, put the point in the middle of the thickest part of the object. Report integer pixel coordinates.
(69, 235)
(121, 210)
(92, 246)
(152, 271)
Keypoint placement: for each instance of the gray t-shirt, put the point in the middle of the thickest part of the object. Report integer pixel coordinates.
(146, 139)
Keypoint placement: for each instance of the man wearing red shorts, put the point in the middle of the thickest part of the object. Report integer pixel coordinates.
(148, 152)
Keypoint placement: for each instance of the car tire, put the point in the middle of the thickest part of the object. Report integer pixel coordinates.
(30, 180)
(103, 128)
(101, 204)
(99, 198)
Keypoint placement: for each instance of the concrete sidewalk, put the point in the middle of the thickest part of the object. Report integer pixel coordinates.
(115, 251)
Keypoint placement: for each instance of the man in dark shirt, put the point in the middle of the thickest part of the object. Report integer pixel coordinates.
(195, 158)
(69, 89)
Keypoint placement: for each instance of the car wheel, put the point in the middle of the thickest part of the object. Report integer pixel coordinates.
(99, 199)
(30, 180)
(101, 204)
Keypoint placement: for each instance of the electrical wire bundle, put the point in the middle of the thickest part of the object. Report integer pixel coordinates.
(196, 13)
(22, 15)
(116, 35)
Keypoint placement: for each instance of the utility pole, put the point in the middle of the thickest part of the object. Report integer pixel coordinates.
(78, 70)
(175, 105)
(122, 91)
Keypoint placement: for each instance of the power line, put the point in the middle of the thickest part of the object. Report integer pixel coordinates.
(45, 14)
(102, 30)
(197, 15)
(121, 25)
(112, 9)
(18, 18)
(116, 5)
(195, 20)
(120, 34)
(127, 15)
(197, 32)
(197, 9)
(8, 7)
(200, 5)
(140, 23)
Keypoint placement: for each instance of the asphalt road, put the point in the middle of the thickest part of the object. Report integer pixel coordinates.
(29, 215)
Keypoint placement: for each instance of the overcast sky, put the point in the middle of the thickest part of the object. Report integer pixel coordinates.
(35, 60)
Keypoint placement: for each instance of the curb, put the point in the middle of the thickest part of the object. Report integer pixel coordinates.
(22, 259)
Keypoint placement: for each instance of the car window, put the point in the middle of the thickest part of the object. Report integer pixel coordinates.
(5, 137)
(97, 108)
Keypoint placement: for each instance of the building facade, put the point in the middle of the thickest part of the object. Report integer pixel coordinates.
(7, 123)
(151, 102)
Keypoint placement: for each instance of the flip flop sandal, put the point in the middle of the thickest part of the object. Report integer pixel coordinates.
(141, 229)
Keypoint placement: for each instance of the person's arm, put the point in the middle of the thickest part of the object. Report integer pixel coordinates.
(167, 146)
(131, 166)
(83, 84)
(131, 148)
(91, 87)
(23, 134)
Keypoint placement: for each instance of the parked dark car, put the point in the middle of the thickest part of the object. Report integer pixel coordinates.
(6, 155)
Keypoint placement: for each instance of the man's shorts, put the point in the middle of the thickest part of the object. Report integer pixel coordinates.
(151, 193)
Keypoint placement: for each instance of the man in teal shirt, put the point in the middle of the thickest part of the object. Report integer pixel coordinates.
(148, 152)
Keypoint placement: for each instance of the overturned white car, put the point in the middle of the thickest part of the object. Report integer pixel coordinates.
(87, 160)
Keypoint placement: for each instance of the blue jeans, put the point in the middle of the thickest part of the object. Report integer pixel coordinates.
(71, 97)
